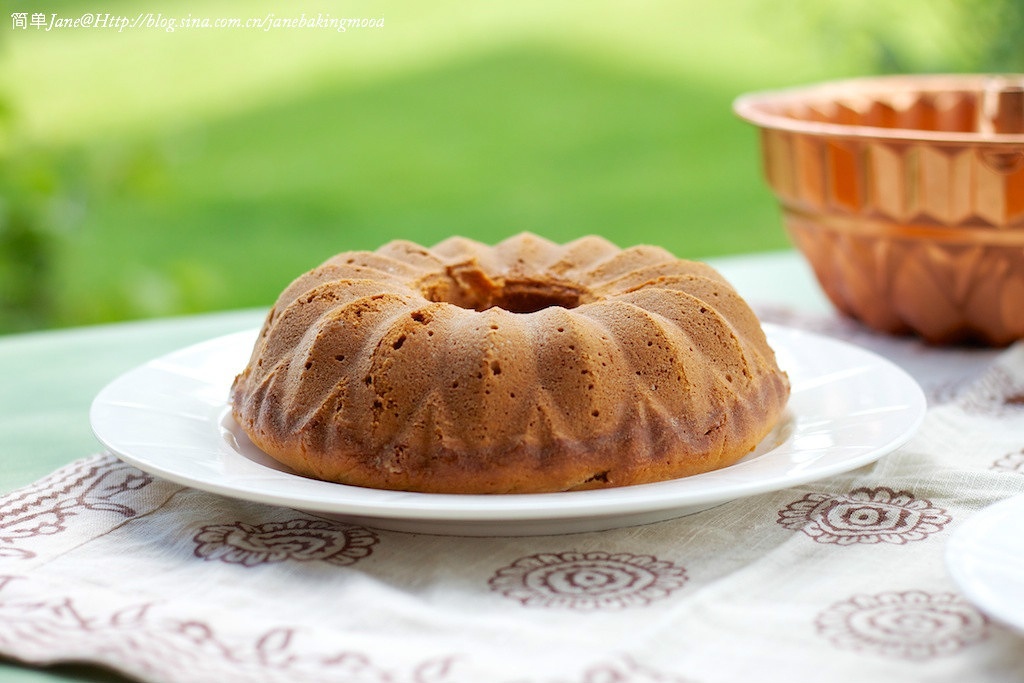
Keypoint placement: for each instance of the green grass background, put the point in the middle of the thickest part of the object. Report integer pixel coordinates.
(151, 173)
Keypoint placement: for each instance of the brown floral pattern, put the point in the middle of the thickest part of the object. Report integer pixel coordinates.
(912, 625)
(588, 581)
(98, 484)
(944, 392)
(147, 642)
(628, 670)
(865, 515)
(150, 641)
(297, 540)
(998, 393)
(1011, 462)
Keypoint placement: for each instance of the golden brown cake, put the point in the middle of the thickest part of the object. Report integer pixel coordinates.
(524, 367)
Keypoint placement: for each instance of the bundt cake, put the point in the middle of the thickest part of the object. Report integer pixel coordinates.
(524, 367)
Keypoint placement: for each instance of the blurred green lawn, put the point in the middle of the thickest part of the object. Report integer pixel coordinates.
(168, 173)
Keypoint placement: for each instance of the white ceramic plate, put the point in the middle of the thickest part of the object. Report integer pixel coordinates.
(985, 557)
(170, 418)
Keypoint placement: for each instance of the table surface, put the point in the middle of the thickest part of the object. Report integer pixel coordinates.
(50, 379)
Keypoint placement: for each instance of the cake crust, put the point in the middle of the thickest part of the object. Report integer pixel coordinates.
(520, 368)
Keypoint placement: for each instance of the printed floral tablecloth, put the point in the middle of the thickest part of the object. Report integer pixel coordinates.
(838, 580)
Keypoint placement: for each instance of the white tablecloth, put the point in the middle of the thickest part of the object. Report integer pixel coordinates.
(837, 580)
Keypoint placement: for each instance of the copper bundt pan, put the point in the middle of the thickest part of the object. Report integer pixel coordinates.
(906, 195)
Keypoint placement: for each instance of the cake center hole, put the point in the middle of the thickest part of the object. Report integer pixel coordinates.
(526, 296)
(471, 288)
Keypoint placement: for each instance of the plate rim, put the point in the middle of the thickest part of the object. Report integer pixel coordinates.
(448, 508)
(958, 553)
